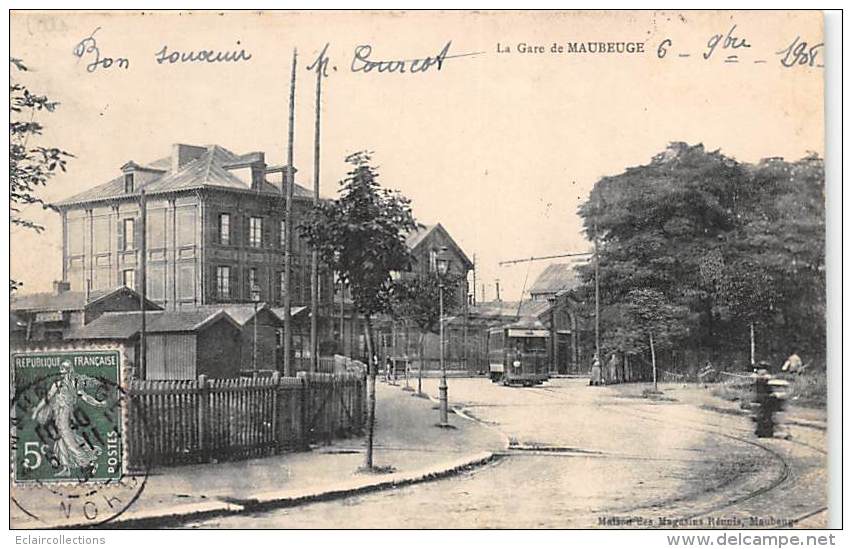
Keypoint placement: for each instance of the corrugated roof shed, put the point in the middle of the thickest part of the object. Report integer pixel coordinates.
(124, 325)
(555, 278)
(206, 171)
(239, 312)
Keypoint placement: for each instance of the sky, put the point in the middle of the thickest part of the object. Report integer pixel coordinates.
(501, 148)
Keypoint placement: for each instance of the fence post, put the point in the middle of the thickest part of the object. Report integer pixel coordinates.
(304, 400)
(203, 417)
(277, 421)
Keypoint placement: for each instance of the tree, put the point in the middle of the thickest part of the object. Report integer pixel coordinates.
(655, 315)
(31, 166)
(361, 235)
(414, 298)
(736, 245)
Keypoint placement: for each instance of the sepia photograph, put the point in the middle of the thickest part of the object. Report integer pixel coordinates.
(284, 270)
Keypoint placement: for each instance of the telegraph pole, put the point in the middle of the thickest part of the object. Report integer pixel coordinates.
(288, 226)
(314, 255)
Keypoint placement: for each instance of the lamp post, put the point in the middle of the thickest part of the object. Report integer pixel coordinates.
(442, 266)
(255, 299)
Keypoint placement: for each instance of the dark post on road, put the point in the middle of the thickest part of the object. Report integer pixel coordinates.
(442, 265)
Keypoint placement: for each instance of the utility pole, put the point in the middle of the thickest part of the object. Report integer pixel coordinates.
(497, 287)
(288, 227)
(143, 282)
(314, 255)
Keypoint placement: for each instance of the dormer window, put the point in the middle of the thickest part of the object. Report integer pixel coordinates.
(128, 183)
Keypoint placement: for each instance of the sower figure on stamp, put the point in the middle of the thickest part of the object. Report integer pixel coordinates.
(71, 450)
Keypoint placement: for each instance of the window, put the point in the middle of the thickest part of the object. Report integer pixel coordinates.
(224, 229)
(128, 235)
(282, 231)
(282, 288)
(223, 282)
(128, 183)
(252, 280)
(255, 232)
(128, 278)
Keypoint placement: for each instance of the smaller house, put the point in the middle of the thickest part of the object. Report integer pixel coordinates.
(180, 344)
(255, 320)
(50, 316)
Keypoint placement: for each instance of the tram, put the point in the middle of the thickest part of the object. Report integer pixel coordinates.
(518, 353)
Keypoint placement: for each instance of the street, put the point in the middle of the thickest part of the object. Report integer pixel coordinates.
(585, 457)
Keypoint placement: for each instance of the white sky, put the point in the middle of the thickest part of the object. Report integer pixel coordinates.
(500, 148)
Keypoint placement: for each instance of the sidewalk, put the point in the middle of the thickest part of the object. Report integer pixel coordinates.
(405, 439)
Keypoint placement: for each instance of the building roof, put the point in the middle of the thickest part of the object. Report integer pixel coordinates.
(508, 309)
(555, 278)
(241, 313)
(206, 171)
(67, 300)
(279, 311)
(125, 325)
(414, 238)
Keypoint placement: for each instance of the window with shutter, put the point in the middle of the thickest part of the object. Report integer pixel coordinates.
(127, 234)
(225, 229)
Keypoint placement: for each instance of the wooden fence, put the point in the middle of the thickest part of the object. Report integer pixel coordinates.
(196, 421)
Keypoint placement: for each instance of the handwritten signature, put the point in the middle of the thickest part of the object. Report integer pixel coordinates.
(362, 61)
(88, 47)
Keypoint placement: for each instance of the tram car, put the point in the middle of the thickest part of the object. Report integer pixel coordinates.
(518, 353)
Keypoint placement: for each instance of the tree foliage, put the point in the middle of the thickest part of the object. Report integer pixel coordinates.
(361, 235)
(715, 244)
(31, 165)
(416, 299)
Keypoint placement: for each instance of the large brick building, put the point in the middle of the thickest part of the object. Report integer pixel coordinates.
(215, 228)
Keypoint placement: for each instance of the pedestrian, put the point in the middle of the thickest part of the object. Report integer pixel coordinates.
(793, 363)
(390, 370)
(612, 367)
(595, 377)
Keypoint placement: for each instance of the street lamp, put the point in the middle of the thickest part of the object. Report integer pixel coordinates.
(442, 266)
(255, 299)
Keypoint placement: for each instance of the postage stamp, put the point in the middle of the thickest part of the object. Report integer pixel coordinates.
(68, 418)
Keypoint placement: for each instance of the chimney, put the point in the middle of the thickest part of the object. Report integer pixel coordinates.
(184, 154)
(61, 286)
(277, 175)
(250, 169)
(497, 284)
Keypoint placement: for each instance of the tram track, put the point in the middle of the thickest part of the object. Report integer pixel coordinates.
(774, 483)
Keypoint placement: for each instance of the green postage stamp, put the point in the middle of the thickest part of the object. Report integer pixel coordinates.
(66, 416)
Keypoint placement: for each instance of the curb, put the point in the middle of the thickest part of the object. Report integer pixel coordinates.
(294, 498)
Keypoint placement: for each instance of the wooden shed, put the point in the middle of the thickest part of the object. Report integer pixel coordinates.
(180, 344)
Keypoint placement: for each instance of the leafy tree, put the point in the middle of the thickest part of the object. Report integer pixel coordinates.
(730, 245)
(663, 322)
(30, 165)
(361, 235)
(415, 299)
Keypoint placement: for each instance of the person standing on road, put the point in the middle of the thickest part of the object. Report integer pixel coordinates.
(595, 377)
(612, 367)
(793, 363)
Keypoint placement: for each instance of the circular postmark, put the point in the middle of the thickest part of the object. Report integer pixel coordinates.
(69, 415)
